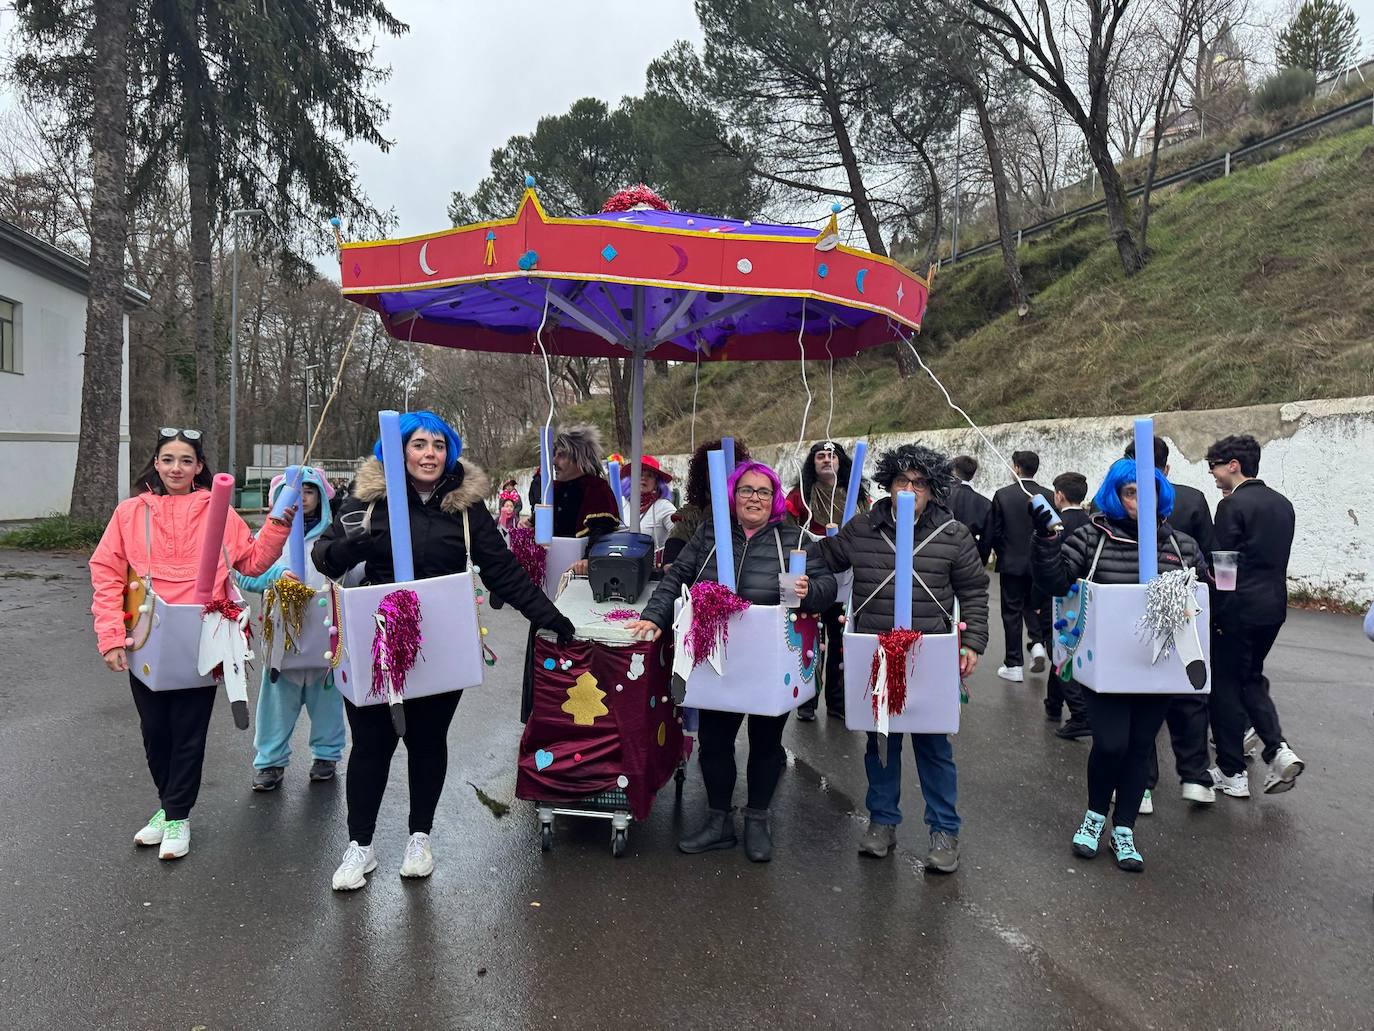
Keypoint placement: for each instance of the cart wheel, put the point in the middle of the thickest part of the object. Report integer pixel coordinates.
(546, 838)
(679, 779)
(618, 841)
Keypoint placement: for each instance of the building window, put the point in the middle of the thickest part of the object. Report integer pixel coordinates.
(9, 340)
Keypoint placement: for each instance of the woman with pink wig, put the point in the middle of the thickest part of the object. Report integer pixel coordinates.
(761, 542)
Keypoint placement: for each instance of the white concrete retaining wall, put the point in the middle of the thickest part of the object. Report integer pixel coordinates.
(1318, 453)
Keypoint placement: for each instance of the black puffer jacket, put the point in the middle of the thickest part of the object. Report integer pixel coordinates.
(436, 536)
(756, 570)
(949, 565)
(1059, 561)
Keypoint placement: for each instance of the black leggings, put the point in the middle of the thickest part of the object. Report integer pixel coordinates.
(174, 725)
(1124, 730)
(716, 737)
(369, 763)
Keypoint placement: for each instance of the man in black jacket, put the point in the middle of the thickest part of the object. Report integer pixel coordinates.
(1256, 522)
(1187, 716)
(968, 506)
(1009, 533)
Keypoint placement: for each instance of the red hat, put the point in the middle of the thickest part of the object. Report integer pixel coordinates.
(650, 462)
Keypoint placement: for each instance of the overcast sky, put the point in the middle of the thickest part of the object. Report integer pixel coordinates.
(472, 73)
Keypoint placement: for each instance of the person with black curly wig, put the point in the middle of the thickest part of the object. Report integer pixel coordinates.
(946, 569)
(697, 504)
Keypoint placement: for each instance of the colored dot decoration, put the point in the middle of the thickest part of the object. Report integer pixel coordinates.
(549, 664)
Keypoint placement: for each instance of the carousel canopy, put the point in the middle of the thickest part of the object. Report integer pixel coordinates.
(668, 284)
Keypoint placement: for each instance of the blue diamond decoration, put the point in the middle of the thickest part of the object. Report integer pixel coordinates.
(822, 270)
(608, 252)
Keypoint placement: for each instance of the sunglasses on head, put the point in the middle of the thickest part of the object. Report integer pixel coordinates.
(172, 431)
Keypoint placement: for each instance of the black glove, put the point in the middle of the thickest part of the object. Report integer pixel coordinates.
(565, 630)
(1042, 518)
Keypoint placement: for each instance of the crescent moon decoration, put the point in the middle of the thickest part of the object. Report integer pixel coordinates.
(859, 278)
(424, 260)
(681, 259)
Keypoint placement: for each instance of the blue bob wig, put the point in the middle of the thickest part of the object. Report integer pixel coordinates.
(431, 423)
(1122, 472)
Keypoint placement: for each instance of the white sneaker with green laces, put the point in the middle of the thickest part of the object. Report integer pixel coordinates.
(419, 860)
(357, 863)
(1147, 804)
(151, 832)
(176, 839)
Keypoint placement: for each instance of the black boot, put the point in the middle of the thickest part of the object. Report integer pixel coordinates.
(758, 843)
(718, 832)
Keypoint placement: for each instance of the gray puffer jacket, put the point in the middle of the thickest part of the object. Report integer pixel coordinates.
(1059, 561)
(756, 570)
(946, 560)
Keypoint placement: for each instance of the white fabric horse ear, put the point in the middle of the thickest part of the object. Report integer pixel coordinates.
(880, 701)
(682, 657)
(224, 643)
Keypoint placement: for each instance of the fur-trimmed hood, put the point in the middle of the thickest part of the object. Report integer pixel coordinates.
(468, 485)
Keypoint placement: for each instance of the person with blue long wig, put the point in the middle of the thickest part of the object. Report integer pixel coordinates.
(446, 507)
(1124, 726)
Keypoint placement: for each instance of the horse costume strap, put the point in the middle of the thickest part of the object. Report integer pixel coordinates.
(892, 575)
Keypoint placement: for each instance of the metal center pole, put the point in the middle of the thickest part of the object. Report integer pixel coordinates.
(636, 409)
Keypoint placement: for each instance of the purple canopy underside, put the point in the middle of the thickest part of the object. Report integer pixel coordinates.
(709, 320)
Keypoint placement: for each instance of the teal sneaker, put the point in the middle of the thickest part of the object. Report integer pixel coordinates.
(1085, 841)
(151, 832)
(1123, 843)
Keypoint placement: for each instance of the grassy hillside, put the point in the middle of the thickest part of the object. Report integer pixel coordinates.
(1256, 291)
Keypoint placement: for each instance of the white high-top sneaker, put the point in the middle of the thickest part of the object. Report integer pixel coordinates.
(1038, 657)
(151, 832)
(1237, 786)
(419, 860)
(1282, 773)
(357, 863)
(176, 839)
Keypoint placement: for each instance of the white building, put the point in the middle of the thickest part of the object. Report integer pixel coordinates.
(42, 342)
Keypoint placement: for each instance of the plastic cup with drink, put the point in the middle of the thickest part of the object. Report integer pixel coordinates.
(1225, 565)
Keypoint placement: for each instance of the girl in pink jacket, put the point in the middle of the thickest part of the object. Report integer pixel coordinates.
(175, 493)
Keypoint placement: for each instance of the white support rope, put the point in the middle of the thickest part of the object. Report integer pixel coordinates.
(546, 489)
(696, 385)
(334, 391)
(950, 401)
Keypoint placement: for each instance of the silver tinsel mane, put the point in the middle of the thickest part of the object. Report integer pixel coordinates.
(1170, 602)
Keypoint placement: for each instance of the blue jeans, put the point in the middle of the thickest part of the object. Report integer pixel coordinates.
(935, 769)
(279, 705)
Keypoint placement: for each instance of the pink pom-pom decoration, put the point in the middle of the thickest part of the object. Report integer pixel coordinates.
(531, 556)
(712, 606)
(394, 652)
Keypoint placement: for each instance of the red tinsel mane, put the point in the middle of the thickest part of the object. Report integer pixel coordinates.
(631, 196)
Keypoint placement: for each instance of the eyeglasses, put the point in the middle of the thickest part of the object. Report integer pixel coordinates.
(903, 483)
(1127, 492)
(762, 493)
(172, 431)
(1213, 463)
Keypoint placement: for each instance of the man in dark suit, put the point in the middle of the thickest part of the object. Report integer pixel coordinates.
(968, 506)
(1070, 491)
(1257, 523)
(1009, 533)
(1186, 716)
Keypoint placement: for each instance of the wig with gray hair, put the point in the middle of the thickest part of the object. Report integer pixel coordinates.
(583, 445)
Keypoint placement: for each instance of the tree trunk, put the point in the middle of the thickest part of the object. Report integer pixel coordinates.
(1015, 284)
(620, 403)
(1114, 193)
(202, 290)
(96, 482)
(936, 213)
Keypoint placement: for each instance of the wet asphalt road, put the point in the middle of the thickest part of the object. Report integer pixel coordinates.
(1250, 915)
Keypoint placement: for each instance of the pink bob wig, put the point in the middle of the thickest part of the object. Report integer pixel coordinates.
(779, 500)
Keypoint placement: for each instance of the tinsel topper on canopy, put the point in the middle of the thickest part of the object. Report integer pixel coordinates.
(634, 198)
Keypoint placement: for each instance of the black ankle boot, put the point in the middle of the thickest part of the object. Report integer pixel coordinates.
(718, 832)
(758, 843)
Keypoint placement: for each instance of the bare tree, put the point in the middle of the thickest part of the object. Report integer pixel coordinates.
(1027, 35)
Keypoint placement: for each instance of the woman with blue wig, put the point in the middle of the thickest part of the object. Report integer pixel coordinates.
(1124, 726)
(446, 506)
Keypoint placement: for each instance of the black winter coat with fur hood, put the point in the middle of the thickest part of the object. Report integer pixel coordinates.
(436, 535)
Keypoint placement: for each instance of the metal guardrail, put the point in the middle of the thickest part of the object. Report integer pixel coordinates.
(1224, 162)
